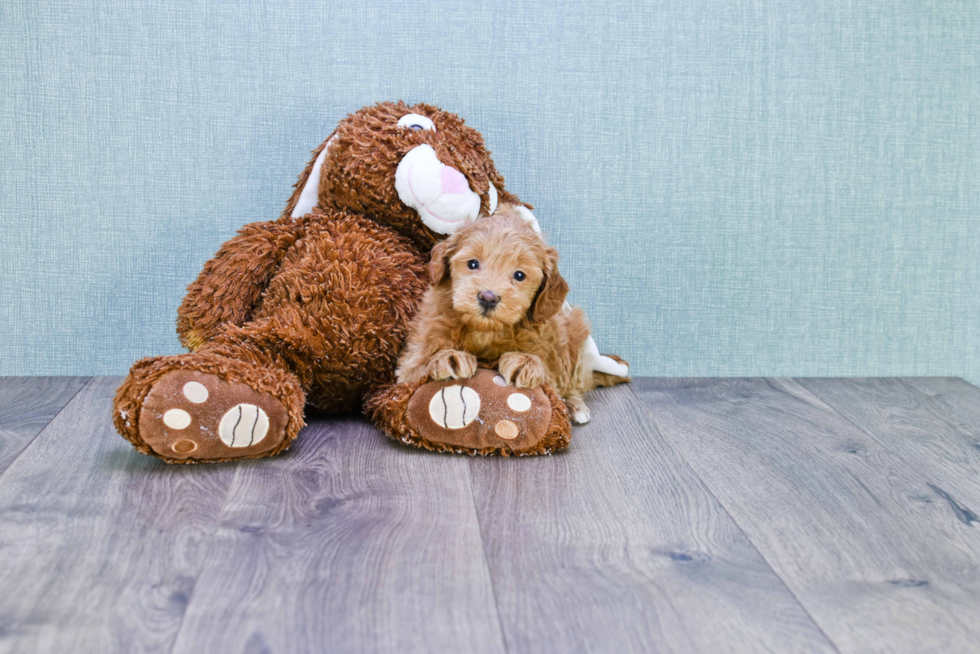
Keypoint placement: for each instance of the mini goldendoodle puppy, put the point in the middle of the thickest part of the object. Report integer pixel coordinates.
(497, 297)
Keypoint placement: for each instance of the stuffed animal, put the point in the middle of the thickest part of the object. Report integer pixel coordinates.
(312, 309)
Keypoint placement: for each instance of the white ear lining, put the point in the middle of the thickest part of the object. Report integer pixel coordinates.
(527, 216)
(492, 196)
(311, 191)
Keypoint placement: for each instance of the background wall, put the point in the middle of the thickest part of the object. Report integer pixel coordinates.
(753, 187)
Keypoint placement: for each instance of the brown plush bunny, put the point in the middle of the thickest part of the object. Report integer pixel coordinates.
(312, 308)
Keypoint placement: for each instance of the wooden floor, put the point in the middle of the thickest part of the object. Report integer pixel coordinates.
(691, 515)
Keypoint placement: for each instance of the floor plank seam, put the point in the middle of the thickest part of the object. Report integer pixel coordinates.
(204, 566)
(954, 506)
(486, 559)
(708, 489)
(28, 444)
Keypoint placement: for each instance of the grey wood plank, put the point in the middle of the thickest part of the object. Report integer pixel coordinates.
(351, 542)
(616, 546)
(854, 531)
(27, 404)
(100, 546)
(955, 388)
(933, 424)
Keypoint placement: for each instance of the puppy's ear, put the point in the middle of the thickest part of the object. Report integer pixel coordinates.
(441, 254)
(551, 294)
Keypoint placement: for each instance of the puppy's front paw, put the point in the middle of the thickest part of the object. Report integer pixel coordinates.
(522, 370)
(452, 364)
(578, 410)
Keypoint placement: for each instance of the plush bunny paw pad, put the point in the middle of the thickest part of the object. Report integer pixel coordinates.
(190, 414)
(480, 412)
(479, 415)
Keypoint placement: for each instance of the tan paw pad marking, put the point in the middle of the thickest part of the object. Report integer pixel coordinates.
(177, 419)
(519, 402)
(243, 425)
(506, 430)
(454, 407)
(196, 392)
(184, 446)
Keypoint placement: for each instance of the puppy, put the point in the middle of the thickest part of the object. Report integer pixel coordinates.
(497, 297)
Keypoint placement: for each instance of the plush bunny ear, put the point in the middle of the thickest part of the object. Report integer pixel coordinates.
(492, 198)
(307, 189)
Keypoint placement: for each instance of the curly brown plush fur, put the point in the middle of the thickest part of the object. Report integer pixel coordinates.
(367, 148)
(314, 309)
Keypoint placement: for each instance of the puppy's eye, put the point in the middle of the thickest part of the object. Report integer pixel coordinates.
(520, 276)
(473, 264)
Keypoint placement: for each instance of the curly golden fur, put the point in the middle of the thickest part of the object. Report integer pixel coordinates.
(497, 297)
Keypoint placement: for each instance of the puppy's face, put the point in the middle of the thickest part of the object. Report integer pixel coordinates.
(500, 273)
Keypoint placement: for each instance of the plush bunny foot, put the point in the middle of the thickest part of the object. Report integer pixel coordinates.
(194, 415)
(480, 415)
(186, 413)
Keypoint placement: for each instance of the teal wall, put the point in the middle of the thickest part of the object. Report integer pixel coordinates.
(761, 187)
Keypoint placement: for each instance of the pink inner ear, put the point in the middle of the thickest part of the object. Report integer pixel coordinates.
(453, 181)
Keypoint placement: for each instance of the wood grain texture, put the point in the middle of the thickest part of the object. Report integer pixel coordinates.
(857, 534)
(27, 405)
(931, 423)
(616, 546)
(349, 542)
(100, 546)
(716, 515)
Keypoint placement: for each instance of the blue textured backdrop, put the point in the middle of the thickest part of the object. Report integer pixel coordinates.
(760, 187)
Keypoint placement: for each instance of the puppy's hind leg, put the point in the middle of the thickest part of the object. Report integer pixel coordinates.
(578, 409)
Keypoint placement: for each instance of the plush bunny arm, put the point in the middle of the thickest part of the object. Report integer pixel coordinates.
(232, 282)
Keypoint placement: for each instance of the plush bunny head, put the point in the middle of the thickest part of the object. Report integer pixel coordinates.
(417, 169)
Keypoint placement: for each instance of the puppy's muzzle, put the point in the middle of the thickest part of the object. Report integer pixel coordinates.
(488, 300)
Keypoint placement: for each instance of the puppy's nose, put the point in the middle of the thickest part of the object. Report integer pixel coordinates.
(488, 299)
